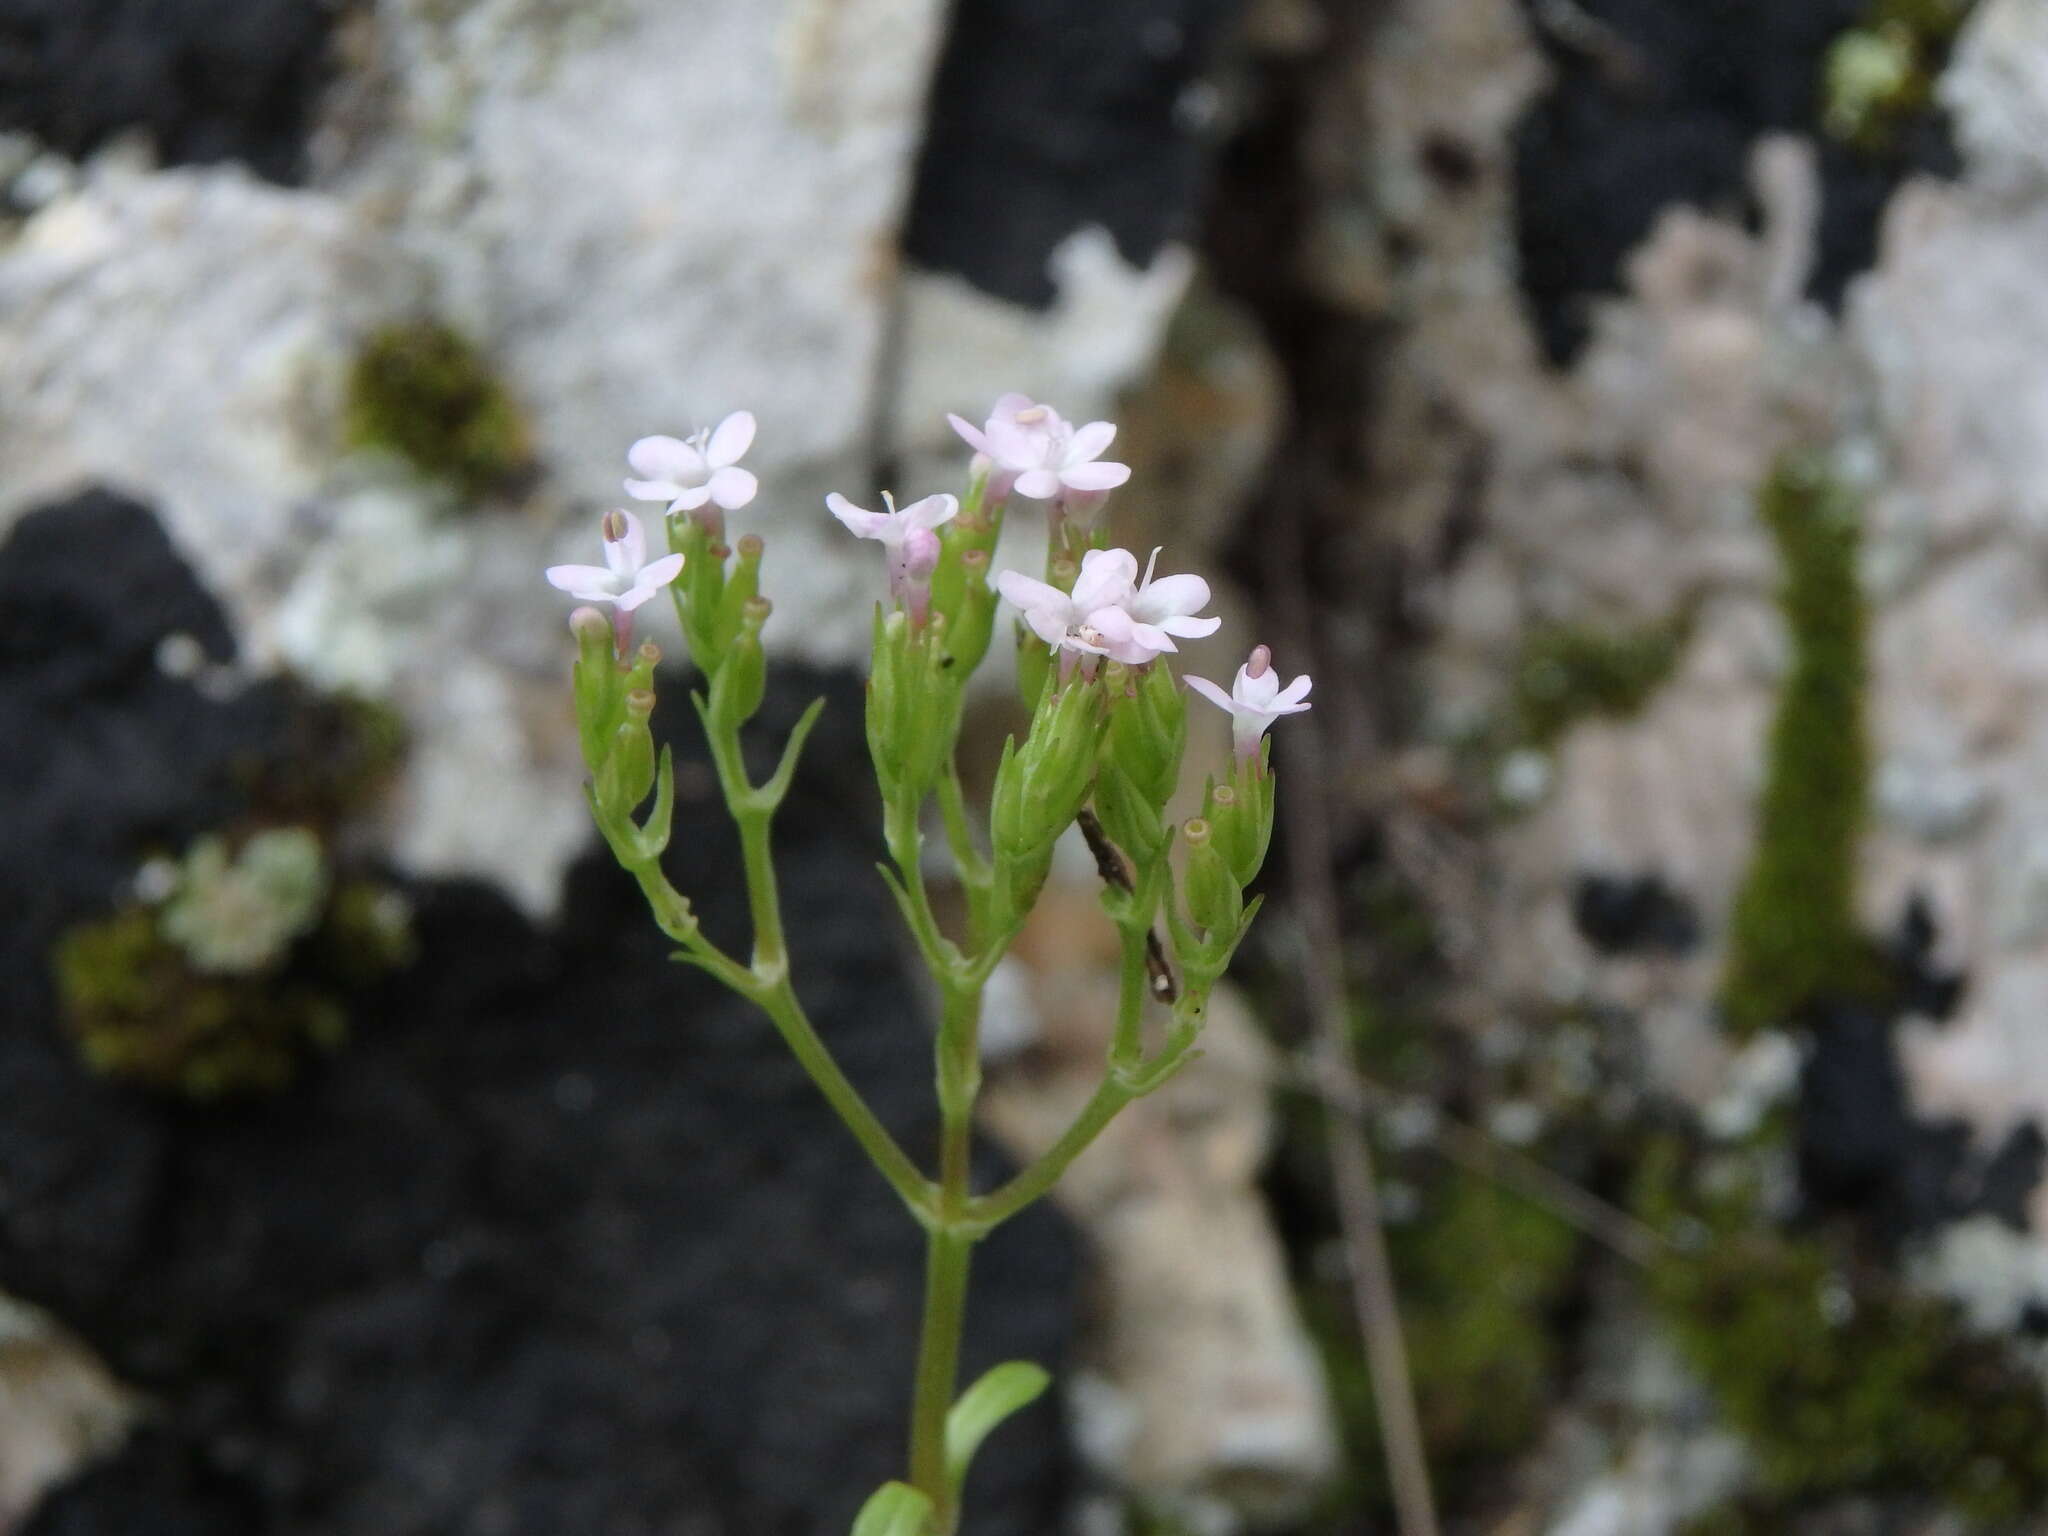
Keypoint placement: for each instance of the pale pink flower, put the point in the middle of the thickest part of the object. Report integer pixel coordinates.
(1046, 456)
(909, 537)
(627, 578)
(1109, 612)
(1255, 700)
(704, 468)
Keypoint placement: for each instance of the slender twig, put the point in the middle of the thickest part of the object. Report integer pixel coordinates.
(1313, 886)
(1357, 1097)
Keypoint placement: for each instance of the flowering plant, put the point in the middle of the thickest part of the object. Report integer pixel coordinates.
(1103, 752)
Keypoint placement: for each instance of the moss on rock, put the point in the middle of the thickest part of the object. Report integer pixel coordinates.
(1792, 933)
(1842, 1380)
(1879, 75)
(1572, 672)
(241, 973)
(139, 1010)
(423, 391)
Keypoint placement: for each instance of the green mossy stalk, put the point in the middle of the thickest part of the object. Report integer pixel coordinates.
(1792, 934)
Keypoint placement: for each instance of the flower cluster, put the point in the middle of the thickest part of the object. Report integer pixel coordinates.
(1103, 753)
(1105, 610)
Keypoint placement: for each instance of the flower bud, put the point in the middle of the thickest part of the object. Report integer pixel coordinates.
(699, 591)
(1240, 812)
(913, 704)
(1041, 786)
(1215, 900)
(1148, 731)
(1132, 821)
(628, 770)
(742, 586)
(742, 678)
(1034, 667)
(599, 683)
(974, 619)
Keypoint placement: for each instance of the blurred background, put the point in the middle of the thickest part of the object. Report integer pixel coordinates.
(1634, 413)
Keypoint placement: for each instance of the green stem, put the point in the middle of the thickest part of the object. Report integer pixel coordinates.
(900, 832)
(794, 1025)
(767, 980)
(998, 1206)
(1130, 1077)
(951, 1239)
(938, 1370)
(1134, 985)
(975, 873)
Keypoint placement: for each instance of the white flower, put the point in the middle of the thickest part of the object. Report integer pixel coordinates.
(1048, 455)
(1255, 700)
(1015, 416)
(627, 578)
(908, 535)
(1109, 612)
(705, 468)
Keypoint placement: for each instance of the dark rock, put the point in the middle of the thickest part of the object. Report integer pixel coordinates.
(1621, 915)
(1049, 115)
(1924, 987)
(562, 1240)
(208, 80)
(1862, 1152)
(1657, 103)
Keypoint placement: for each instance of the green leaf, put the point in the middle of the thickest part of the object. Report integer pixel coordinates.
(894, 1509)
(1013, 1385)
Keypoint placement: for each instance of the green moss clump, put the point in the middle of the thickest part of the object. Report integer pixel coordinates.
(1879, 75)
(1481, 1276)
(1841, 1380)
(139, 1010)
(1792, 934)
(423, 391)
(1571, 672)
(244, 971)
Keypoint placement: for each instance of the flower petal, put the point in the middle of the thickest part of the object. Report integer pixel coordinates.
(1038, 484)
(1155, 637)
(1090, 442)
(1292, 698)
(972, 435)
(732, 487)
(1170, 595)
(932, 512)
(1049, 625)
(1026, 593)
(1212, 693)
(690, 498)
(653, 490)
(1107, 578)
(859, 520)
(665, 458)
(1188, 627)
(1008, 405)
(733, 437)
(1257, 692)
(592, 583)
(1105, 476)
(660, 573)
(630, 553)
